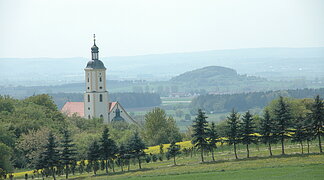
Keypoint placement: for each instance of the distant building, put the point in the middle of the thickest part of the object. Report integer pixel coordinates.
(96, 98)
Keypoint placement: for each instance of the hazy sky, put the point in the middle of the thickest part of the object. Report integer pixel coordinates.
(64, 28)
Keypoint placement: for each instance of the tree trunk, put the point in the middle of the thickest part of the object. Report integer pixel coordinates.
(128, 165)
(282, 146)
(307, 146)
(113, 165)
(269, 146)
(174, 160)
(248, 151)
(319, 141)
(202, 154)
(302, 147)
(212, 151)
(121, 165)
(106, 166)
(53, 173)
(139, 162)
(235, 151)
(94, 169)
(66, 171)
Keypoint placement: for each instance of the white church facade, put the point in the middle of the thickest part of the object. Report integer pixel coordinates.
(96, 97)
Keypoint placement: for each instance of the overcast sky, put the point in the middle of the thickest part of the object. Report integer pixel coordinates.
(64, 28)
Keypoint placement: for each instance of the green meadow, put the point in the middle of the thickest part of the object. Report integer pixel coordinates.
(294, 165)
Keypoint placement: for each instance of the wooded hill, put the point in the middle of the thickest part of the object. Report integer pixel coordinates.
(214, 103)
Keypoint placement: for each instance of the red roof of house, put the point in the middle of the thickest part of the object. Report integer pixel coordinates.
(73, 107)
(111, 106)
(78, 107)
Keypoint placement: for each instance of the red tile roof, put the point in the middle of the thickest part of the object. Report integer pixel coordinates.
(78, 107)
(111, 106)
(73, 107)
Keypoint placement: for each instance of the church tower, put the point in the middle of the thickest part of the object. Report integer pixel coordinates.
(96, 100)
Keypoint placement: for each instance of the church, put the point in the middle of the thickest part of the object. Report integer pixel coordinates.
(96, 102)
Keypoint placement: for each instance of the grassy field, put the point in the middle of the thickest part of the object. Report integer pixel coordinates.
(260, 166)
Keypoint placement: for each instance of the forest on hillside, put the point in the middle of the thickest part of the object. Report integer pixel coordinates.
(214, 103)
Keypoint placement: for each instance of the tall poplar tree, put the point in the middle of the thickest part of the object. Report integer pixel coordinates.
(247, 131)
(282, 117)
(318, 119)
(233, 130)
(200, 133)
(212, 139)
(68, 152)
(266, 130)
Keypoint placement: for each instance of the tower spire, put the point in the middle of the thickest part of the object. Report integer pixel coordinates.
(94, 49)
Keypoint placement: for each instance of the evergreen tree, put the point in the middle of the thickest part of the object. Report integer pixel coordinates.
(161, 152)
(93, 156)
(266, 130)
(247, 131)
(309, 130)
(136, 147)
(282, 117)
(233, 130)
(122, 151)
(108, 147)
(173, 151)
(68, 152)
(200, 133)
(299, 132)
(51, 156)
(212, 138)
(318, 119)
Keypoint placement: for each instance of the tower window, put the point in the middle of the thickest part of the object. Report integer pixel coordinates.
(100, 97)
(88, 108)
(100, 79)
(101, 116)
(100, 87)
(88, 98)
(88, 88)
(88, 79)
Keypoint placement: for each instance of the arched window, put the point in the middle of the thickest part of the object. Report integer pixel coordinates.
(88, 116)
(88, 79)
(88, 98)
(101, 116)
(100, 97)
(100, 79)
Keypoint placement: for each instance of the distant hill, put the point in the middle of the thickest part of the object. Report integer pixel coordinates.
(271, 63)
(206, 74)
(219, 79)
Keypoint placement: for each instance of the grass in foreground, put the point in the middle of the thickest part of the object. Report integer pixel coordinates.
(278, 167)
(290, 172)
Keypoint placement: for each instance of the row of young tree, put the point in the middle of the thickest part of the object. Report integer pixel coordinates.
(277, 125)
(103, 154)
(59, 157)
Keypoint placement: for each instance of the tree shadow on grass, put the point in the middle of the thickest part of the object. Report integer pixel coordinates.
(262, 157)
(111, 173)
